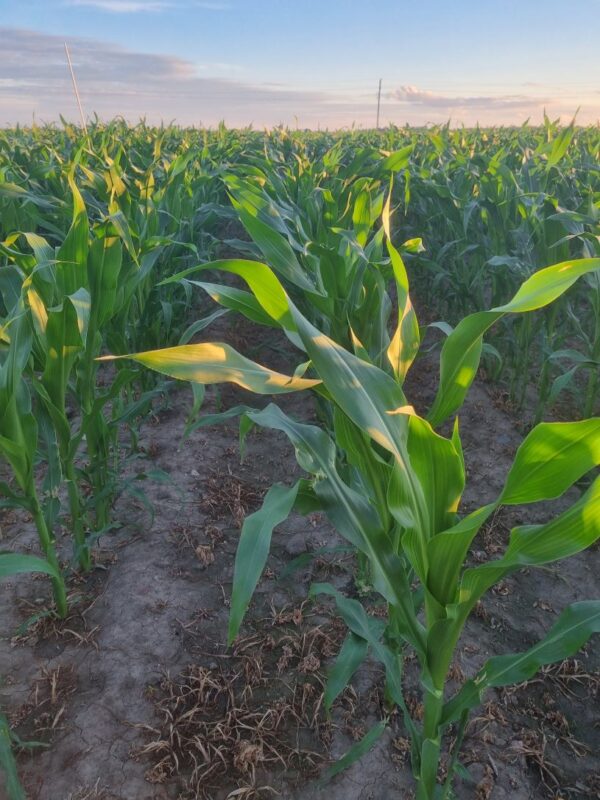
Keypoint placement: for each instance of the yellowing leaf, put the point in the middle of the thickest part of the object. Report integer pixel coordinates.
(217, 363)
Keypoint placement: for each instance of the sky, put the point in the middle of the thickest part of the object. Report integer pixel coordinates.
(301, 63)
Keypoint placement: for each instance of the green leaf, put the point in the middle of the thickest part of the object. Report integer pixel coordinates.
(560, 145)
(446, 553)
(200, 325)
(562, 382)
(373, 401)
(260, 278)
(121, 225)
(19, 351)
(530, 545)
(372, 470)
(371, 630)
(8, 764)
(398, 160)
(569, 633)
(18, 437)
(237, 300)
(71, 271)
(405, 342)
(569, 533)
(550, 459)
(15, 563)
(104, 269)
(361, 217)
(566, 637)
(356, 752)
(64, 338)
(351, 656)
(461, 351)
(275, 248)
(440, 472)
(253, 549)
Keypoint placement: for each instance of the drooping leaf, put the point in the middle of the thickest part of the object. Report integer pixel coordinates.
(351, 656)
(253, 549)
(15, 563)
(237, 300)
(217, 363)
(569, 533)
(263, 282)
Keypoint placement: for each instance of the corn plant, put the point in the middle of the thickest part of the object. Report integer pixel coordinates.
(18, 445)
(392, 484)
(61, 304)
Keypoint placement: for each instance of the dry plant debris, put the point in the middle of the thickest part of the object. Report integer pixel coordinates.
(231, 725)
(74, 628)
(528, 719)
(95, 792)
(43, 712)
(225, 494)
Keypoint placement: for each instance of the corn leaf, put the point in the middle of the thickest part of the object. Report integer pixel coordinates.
(356, 752)
(217, 363)
(405, 342)
(461, 352)
(373, 401)
(71, 273)
(275, 248)
(253, 549)
(569, 633)
(550, 459)
(446, 553)
(237, 300)
(15, 563)
(261, 279)
(352, 654)
(8, 764)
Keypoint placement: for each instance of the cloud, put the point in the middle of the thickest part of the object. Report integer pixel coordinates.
(121, 6)
(137, 6)
(115, 81)
(208, 5)
(414, 96)
(218, 66)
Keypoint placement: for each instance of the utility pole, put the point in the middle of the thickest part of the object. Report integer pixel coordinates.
(378, 102)
(76, 90)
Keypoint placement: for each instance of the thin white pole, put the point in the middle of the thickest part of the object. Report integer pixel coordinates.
(378, 102)
(76, 90)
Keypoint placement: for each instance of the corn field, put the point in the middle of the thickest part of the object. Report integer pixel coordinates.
(334, 301)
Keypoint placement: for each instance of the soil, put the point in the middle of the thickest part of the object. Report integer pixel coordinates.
(139, 677)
